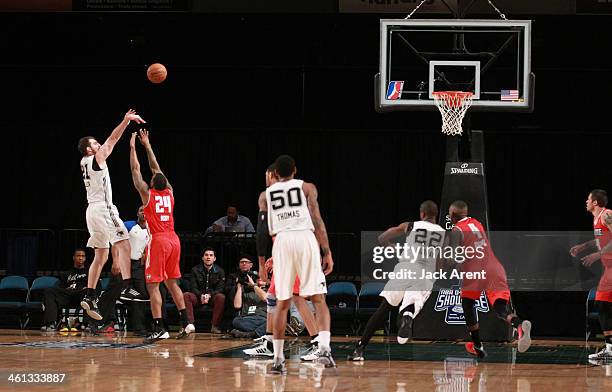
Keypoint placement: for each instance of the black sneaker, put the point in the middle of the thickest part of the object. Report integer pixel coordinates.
(404, 332)
(278, 367)
(326, 359)
(154, 336)
(130, 294)
(357, 354)
(90, 305)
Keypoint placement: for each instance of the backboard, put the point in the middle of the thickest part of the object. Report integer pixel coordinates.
(490, 58)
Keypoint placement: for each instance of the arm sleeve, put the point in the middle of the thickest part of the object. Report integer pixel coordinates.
(262, 237)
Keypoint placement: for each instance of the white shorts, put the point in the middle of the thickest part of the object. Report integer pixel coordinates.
(104, 226)
(407, 298)
(297, 253)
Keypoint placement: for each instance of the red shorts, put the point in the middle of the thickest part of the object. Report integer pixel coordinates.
(492, 295)
(604, 296)
(164, 257)
(296, 286)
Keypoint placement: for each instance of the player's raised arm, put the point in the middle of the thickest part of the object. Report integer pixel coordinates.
(320, 232)
(106, 149)
(139, 184)
(143, 135)
(394, 232)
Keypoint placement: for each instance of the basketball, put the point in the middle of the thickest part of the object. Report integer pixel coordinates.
(157, 73)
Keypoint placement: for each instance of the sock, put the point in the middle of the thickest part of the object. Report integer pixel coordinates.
(184, 319)
(127, 283)
(608, 339)
(324, 339)
(476, 338)
(515, 321)
(91, 293)
(157, 325)
(278, 349)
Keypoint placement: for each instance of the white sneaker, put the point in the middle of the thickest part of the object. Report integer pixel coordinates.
(602, 355)
(312, 354)
(184, 332)
(260, 351)
(524, 340)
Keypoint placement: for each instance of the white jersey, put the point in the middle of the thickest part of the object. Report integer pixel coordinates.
(424, 243)
(97, 182)
(287, 207)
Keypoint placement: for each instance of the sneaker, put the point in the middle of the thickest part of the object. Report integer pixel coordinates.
(48, 328)
(265, 349)
(312, 352)
(108, 327)
(90, 305)
(602, 355)
(216, 330)
(325, 358)
(259, 340)
(476, 351)
(524, 336)
(130, 294)
(357, 354)
(184, 332)
(404, 332)
(156, 335)
(278, 366)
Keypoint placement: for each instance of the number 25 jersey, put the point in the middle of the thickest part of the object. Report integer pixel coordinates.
(287, 207)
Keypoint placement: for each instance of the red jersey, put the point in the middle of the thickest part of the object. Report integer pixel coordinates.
(602, 237)
(480, 258)
(474, 236)
(159, 211)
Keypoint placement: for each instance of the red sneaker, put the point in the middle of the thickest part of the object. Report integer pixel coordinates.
(476, 351)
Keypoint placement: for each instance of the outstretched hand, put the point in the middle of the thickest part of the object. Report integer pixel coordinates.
(132, 116)
(143, 135)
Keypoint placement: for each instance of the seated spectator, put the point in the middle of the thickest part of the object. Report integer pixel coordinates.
(245, 265)
(207, 283)
(69, 294)
(250, 300)
(233, 222)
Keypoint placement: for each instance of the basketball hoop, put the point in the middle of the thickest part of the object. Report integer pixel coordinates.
(452, 106)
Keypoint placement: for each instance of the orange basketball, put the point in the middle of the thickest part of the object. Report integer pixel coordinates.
(157, 73)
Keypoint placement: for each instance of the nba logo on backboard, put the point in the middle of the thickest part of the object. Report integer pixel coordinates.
(395, 90)
(449, 300)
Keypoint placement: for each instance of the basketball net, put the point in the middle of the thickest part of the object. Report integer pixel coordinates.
(452, 106)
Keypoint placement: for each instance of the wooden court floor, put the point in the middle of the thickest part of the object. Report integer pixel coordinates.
(209, 363)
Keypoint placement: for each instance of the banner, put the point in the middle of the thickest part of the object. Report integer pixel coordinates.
(507, 7)
(131, 5)
(594, 6)
(430, 6)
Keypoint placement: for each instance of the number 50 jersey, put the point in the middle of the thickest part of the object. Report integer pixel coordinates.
(159, 211)
(287, 207)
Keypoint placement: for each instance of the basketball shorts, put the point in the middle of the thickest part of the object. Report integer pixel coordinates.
(296, 286)
(163, 261)
(104, 226)
(297, 254)
(407, 298)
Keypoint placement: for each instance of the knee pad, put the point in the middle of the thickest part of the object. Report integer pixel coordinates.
(469, 311)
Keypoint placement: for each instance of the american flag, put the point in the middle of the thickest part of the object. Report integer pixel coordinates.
(394, 91)
(509, 95)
